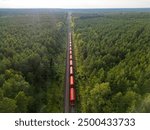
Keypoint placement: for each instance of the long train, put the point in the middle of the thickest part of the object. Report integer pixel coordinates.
(71, 75)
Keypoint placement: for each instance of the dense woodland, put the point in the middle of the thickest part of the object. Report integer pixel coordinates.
(112, 61)
(32, 60)
(112, 67)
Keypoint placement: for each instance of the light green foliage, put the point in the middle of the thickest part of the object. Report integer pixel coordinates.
(22, 102)
(32, 60)
(130, 101)
(145, 104)
(99, 97)
(13, 84)
(113, 48)
(8, 105)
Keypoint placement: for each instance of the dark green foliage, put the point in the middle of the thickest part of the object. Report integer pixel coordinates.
(113, 50)
(32, 60)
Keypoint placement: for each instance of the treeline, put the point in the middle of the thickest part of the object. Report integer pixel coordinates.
(113, 62)
(32, 61)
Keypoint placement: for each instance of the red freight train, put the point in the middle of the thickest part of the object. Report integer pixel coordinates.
(71, 76)
(72, 91)
(71, 81)
(71, 63)
(72, 96)
(71, 70)
(70, 49)
(70, 52)
(70, 57)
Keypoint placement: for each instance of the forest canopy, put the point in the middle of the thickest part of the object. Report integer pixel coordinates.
(32, 50)
(113, 61)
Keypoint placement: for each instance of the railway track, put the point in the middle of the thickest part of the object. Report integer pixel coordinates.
(69, 102)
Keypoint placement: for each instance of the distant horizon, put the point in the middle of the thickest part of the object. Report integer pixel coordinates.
(79, 8)
(75, 4)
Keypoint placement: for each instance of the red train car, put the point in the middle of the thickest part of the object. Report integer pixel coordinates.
(71, 63)
(71, 81)
(70, 57)
(72, 96)
(70, 52)
(71, 70)
(70, 49)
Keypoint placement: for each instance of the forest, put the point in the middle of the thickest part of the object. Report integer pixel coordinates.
(32, 60)
(112, 52)
(112, 60)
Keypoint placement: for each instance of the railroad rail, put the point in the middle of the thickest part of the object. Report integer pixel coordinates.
(70, 95)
